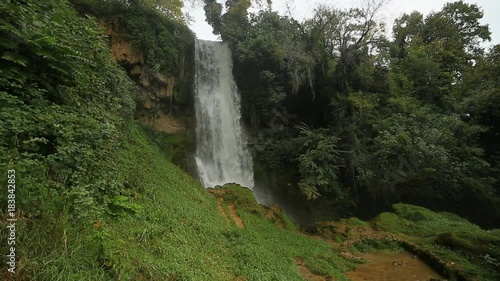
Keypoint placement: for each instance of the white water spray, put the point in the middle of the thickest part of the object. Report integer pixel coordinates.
(221, 153)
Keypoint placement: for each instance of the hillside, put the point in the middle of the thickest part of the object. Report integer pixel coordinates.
(179, 233)
(96, 124)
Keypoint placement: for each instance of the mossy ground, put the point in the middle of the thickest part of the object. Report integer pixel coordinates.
(452, 245)
(470, 252)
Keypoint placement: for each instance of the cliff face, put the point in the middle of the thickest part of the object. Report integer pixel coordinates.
(163, 102)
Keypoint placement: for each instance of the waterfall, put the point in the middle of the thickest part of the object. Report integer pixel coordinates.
(221, 153)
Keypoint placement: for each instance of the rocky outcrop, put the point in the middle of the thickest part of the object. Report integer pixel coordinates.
(156, 91)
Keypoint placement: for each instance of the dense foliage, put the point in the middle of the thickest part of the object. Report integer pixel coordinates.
(412, 118)
(64, 102)
(65, 105)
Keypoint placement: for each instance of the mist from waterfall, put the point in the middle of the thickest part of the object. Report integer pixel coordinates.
(221, 153)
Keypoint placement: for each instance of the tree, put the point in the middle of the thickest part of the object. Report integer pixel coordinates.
(213, 13)
(434, 53)
(344, 33)
(391, 117)
(464, 18)
(479, 103)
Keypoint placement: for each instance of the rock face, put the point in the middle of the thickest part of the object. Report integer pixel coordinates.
(121, 48)
(155, 99)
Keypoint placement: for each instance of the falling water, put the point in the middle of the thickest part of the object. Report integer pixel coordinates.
(221, 154)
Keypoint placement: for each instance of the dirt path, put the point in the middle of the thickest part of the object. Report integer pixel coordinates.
(221, 210)
(377, 266)
(232, 212)
(234, 216)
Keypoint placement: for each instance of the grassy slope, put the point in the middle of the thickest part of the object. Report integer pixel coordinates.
(172, 230)
(180, 235)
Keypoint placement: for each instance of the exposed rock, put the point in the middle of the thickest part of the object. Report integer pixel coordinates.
(136, 70)
(156, 90)
(160, 121)
(121, 47)
(122, 52)
(397, 263)
(275, 214)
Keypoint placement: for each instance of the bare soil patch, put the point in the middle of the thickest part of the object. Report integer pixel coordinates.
(382, 265)
(234, 216)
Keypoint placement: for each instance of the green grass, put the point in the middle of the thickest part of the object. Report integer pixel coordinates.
(166, 226)
(47, 252)
(176, 235)
(356, 222)
(365, 246)
(175, 145)
(265, 251)
(180, 235)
